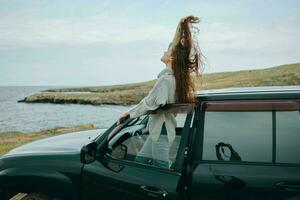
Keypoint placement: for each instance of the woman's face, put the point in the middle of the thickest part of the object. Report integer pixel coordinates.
(167, 58)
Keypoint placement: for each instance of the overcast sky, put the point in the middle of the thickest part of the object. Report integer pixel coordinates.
(72, 42)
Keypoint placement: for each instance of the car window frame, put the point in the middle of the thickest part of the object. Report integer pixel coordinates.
(198, 149)
(171, 108)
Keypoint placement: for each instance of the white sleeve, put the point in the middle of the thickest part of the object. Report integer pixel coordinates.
(157, 96)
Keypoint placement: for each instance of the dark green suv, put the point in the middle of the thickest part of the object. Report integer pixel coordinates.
(238, 143)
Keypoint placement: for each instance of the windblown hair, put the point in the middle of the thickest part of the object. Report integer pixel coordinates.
(186, 59)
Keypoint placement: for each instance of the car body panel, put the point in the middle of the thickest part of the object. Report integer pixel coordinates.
(275, 92)
(243, 181)
(69, 142)
(128, 183)
(50, 164)
(53, 164)
(268, 179)
(135, 180)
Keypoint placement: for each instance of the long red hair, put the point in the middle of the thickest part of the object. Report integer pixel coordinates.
(186, 59)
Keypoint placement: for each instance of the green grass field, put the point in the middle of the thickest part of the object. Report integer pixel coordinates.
(127, 94)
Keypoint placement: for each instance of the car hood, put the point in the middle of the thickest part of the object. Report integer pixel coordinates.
(68, 142)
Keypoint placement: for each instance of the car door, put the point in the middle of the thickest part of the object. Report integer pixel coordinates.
(127, 177)
(246, 149)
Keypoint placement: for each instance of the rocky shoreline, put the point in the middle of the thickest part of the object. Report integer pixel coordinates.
(113, 98)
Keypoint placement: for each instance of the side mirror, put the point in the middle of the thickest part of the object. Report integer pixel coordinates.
(88, 153)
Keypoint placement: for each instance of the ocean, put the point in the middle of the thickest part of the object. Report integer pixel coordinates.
(28, 117)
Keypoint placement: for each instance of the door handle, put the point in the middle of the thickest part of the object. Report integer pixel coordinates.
(231, 181)
(289, 186)
(153, 191)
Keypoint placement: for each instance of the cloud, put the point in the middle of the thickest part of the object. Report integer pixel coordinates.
(23, 33)
(249, 37)
(18, 33)
(45, 38)
(232, 46)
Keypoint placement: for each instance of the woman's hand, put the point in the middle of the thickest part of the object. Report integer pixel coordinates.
(123, 117)
(190, 18)
(184, 20)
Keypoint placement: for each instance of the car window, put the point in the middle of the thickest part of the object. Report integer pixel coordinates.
(244, 130)
(288, 137)
(153, 149)
(247, 135)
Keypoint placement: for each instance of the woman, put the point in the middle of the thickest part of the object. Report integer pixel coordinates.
(174, 84)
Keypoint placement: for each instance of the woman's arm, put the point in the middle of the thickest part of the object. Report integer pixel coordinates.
(158, 96)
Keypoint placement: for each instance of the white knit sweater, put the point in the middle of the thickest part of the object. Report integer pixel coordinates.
(163, 92)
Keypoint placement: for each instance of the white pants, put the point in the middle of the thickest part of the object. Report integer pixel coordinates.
(156, 150)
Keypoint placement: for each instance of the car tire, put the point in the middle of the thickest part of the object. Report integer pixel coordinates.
(37, 196)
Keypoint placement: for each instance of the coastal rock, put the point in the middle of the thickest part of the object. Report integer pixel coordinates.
(129, 94)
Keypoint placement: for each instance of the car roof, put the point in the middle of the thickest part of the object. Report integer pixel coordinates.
(236, 93)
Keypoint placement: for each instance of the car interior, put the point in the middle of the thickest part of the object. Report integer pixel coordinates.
(134, 135)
